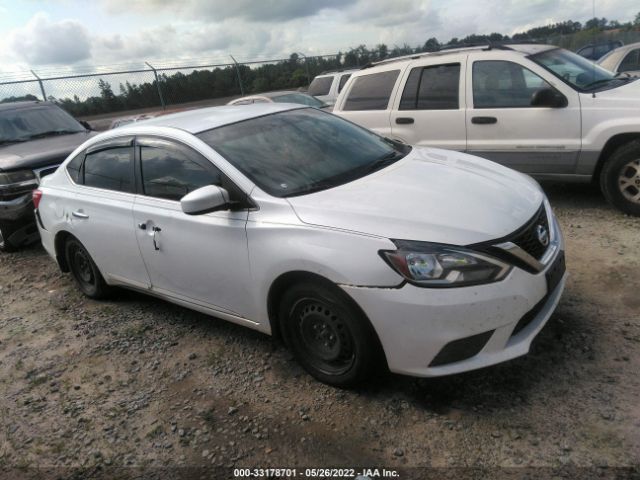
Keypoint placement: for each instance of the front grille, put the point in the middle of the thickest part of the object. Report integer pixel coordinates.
(527, 237)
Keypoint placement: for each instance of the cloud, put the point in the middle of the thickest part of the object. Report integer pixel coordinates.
(218, 10)
(43, 41)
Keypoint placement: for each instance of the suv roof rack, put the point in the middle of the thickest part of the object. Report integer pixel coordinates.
(443, 50)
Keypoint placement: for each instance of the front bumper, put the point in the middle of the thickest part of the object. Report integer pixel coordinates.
(415, 324)
(17, 208)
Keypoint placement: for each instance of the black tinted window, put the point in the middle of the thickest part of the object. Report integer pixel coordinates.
(74, 168)
(320, 86)
(169, 173)
(500, 84)
(110, 169)
(343, 80)
(432, 88)
(631, 61)
(371, 92)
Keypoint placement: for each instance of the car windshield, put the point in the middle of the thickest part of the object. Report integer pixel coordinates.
(301, 151)
(22, 124)
(300, 98)
(577, 71)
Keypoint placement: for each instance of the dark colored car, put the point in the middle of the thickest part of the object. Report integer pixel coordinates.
(598, 50)
(35, 137)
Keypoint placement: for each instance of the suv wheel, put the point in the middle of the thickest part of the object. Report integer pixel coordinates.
(328, 335)
(85, 271)
(620, 178)
(6, 230)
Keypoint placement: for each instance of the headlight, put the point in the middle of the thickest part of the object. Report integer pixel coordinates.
(435, 265)
(19, 176)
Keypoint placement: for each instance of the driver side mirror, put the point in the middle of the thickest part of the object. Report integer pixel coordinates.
(205, 200)
(548, 97)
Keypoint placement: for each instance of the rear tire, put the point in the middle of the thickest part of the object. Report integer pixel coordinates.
(620, 178)
(6, 230)
(84, 271)
(328, 335)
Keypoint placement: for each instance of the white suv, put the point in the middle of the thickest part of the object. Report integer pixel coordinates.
(328, 85)
(536, 108)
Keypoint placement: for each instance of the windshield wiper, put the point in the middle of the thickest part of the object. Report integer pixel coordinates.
(51, 133)
(384, 161)
(9, 142)
(605, 80)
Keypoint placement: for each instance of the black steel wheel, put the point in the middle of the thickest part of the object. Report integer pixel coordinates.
(328, 335)
(84, 270)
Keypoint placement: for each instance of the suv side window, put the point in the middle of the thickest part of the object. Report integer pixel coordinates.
(171, 172)
(434, 87)
(502, 84)
(320, 86)
(631, 61)
(343, 80)
(371, 92)
(110, 169)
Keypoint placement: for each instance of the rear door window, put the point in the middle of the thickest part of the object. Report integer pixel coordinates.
(110, 169)
(434, 87)
(320, 86)
(74, 168)
(371, 92)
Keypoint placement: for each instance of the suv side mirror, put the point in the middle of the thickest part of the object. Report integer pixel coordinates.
(548, 97)
(205, 200)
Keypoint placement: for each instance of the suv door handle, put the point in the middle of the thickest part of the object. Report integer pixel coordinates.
(404, 120)
(80, 214)
(484, 120)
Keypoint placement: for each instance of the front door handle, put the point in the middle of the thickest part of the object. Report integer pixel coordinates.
(484, 120)
(404, 120)
(80, 214)
(156, 243)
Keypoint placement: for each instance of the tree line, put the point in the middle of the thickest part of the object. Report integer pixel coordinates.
(296, 72)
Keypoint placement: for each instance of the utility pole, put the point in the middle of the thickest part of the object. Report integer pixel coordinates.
(238, 74)
(155, 73)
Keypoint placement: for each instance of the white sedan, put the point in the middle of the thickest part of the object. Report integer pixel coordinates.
(360, 252)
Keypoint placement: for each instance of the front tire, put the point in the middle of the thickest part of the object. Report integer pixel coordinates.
(620, 178)
(84, 271)
(328, 335)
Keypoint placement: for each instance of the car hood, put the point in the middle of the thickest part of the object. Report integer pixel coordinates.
(625, 96)
(41, 152)
(430, 195)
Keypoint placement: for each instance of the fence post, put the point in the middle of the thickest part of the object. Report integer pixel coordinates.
(44, 95)
(155, 74)
(306, 64)
(238, 74)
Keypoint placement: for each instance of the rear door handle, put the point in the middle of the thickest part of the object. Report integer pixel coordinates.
(484, 120)
(80, 214)
(404, 120)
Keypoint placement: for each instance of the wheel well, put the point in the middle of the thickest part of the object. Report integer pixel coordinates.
(59, 242)
(611, 146)
(286, 280)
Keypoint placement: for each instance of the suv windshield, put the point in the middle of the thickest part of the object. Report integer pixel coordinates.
(301, 151)
(577, 71)
(22, 124)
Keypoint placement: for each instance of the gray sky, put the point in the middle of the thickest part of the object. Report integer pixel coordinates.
(74, 35)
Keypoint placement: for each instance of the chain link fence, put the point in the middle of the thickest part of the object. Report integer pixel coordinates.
(92, 95)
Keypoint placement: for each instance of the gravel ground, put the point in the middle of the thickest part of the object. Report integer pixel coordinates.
(90, 387)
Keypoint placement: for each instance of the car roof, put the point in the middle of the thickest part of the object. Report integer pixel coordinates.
(202, 119)
(522, 49)
(23, 104)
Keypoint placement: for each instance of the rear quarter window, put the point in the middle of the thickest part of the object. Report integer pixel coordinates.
(371, 92)
(320, 86)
